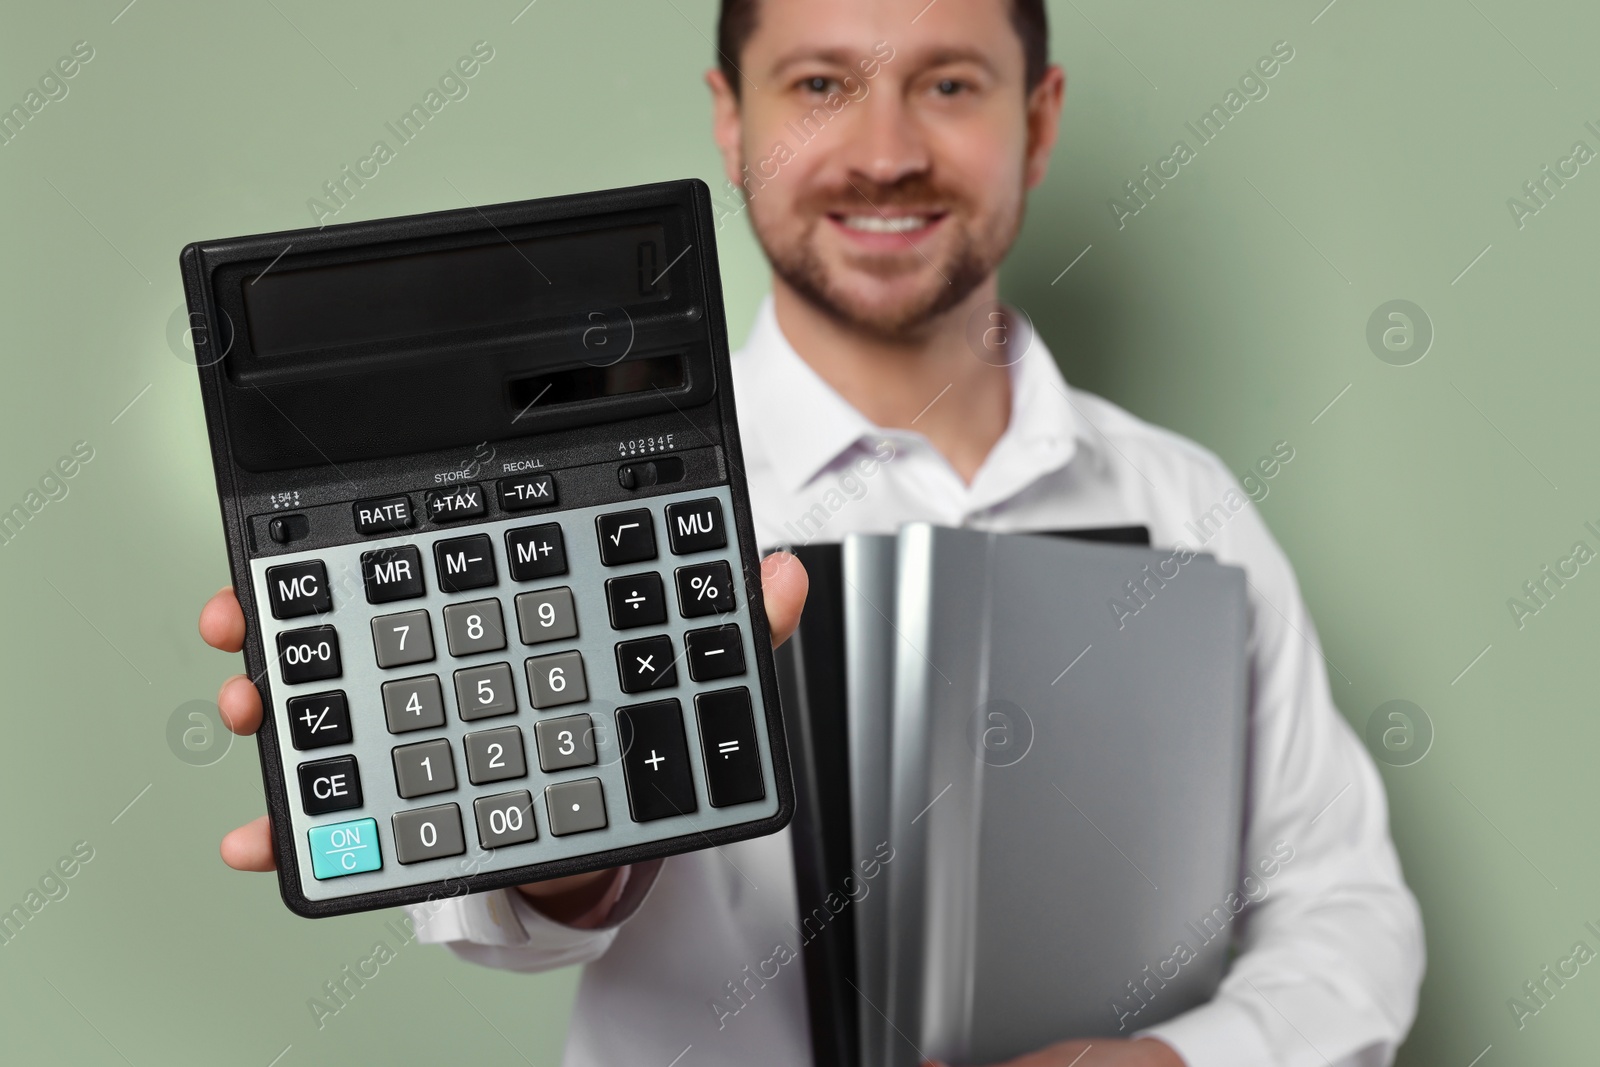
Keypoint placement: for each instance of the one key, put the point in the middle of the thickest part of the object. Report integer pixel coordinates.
(536, 552)
(413, 704)
(320, 720)
(309, 655)
(453, 505)
(505, 819)
(646, 664)
(715, 652)
(474, 627)
(464, 563)
(330, 785)
(696, 525)
(297, 589)
(526, 491)
(495, 755)
(626, 537)
(486, 691)
(575, 807)
(427, 833)
(392, 574)
(342, 848)
(636, 600)
(655, 760)
(705, 589)
(403, 638)
(728, 744)
(556, 680)
(424, 768)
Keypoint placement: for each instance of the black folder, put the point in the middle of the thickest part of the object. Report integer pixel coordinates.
(812, 685)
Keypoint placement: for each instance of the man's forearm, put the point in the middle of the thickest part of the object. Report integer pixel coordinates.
(565, 899)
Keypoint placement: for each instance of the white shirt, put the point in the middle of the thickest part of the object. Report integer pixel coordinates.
(1329, 961)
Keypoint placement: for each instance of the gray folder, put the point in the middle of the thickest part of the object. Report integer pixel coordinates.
(1067, 779)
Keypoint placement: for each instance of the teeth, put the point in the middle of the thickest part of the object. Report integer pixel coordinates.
(879, 224)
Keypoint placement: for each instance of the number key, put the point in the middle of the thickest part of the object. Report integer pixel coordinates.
(474, 627)
(495, 755)
(427, 833)
(413, 704)
(424, 768)
(556, 680)
(565, 742)
(484, 692)
(505, 819)
(402, 639)
(546, 615)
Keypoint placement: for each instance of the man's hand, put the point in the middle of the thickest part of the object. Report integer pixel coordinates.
(1101, 1052)
(249, 848)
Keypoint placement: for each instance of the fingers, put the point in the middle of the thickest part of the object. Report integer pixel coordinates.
(249, 848)
(222, 622)
(783, 585)
(239, 702)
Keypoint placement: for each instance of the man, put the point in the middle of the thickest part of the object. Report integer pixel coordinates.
(885, 149)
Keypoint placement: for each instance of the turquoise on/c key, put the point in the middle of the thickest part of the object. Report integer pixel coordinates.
(343, 848)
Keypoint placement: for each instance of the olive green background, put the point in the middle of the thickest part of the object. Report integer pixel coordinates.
(1233, 308)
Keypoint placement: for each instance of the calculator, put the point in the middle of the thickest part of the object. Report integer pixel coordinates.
(484, 503)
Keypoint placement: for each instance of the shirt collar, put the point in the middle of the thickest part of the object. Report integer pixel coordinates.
(804, 425)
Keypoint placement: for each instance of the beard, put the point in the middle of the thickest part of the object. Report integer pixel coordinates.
(976, 252)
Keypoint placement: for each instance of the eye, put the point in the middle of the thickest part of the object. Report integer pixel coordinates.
(948, 87)
(816, 84)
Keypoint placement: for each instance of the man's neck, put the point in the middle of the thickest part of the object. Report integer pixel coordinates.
(934, 384)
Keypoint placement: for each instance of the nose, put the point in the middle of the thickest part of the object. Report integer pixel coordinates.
(886, 143)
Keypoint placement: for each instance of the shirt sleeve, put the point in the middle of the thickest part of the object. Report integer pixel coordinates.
(1330, 952)
(502, 929)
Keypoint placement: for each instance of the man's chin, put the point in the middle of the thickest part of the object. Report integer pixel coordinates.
(886, 317)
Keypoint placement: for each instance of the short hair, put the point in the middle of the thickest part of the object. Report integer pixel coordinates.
(737, 22)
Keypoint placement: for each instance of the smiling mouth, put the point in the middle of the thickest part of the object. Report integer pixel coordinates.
(887, 224)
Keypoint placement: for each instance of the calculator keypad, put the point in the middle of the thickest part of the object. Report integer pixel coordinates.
(580, 696)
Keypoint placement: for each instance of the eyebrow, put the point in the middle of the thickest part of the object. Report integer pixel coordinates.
(845, 57)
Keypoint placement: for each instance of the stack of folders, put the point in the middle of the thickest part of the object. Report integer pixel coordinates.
(1020, 764)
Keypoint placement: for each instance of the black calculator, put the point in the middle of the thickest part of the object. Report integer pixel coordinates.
(484, 501)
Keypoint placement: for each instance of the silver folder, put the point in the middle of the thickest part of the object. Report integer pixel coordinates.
(1066, 789)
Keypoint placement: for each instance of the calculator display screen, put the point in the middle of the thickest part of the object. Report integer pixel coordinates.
(497, 283)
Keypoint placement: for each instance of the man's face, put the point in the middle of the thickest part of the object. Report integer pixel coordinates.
(885, 147)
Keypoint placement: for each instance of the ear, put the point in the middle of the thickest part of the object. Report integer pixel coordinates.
(726, 127)
(1044, 117)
